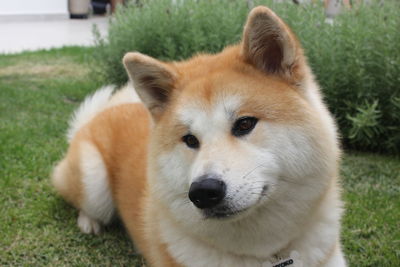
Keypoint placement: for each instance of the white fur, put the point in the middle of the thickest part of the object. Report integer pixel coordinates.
(126, 94)
(98, 203)
(87, 224)
(101, 99)
(337, 258)
(88, 109)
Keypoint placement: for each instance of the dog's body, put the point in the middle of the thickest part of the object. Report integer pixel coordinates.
(231, 160)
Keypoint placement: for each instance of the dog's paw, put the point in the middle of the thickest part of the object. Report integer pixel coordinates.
(88, 225)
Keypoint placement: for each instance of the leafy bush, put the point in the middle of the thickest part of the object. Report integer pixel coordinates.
(356, 61)
(168, 32)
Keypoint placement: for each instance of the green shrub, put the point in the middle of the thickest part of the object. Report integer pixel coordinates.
(168, 32)
(356, 61)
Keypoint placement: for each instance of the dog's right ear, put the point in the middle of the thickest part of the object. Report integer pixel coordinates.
(153, 81)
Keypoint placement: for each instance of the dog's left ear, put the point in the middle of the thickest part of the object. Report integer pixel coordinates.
(153, 81)
(269, 45)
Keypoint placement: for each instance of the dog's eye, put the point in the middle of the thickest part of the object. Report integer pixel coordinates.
(191, 141)
(244, 126)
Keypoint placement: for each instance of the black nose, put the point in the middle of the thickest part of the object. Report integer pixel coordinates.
(207, 193)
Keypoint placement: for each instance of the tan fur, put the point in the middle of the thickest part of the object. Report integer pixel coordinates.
(66, 177)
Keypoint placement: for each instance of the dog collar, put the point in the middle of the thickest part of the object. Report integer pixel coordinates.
(293, 260)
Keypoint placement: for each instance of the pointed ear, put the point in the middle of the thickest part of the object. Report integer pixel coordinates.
(153, 80)
(269, 45)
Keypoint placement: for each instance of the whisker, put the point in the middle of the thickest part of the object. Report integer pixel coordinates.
(247, 174)
(291, 181)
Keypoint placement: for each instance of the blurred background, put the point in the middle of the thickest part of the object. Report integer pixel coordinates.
(31, 25)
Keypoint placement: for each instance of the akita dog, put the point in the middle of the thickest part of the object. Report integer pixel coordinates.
(228, 160)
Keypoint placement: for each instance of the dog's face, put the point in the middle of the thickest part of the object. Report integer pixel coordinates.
(233, 131)
(223, 140)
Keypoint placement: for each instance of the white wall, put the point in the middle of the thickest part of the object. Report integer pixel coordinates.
(33, 7)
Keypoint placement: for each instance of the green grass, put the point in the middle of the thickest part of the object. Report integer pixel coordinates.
(38, 92)
(371, 231)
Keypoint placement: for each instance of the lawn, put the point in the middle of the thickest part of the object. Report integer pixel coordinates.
(38, 92)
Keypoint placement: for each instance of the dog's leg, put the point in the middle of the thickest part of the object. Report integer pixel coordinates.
(97, 204)
(81, 178)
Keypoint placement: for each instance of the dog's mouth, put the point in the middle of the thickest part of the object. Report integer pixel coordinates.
(226, 211)
(221, 213)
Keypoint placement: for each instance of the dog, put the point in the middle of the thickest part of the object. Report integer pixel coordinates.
(227, 159)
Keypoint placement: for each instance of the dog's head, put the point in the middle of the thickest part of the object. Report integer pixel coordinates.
(236, 130)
